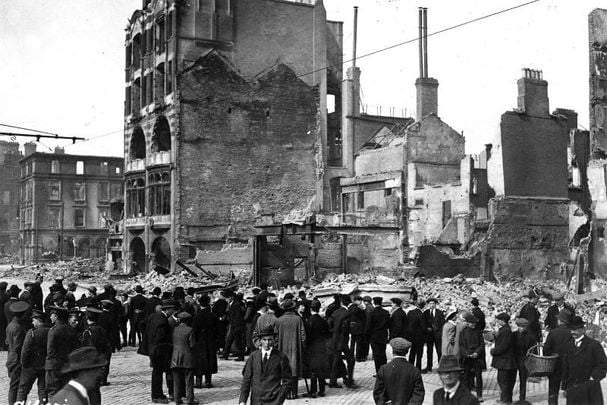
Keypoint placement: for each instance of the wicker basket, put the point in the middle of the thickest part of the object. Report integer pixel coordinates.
(538, 365)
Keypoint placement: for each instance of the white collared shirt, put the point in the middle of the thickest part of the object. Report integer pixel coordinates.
(451, 391)
(578, 342)
(80, 388)
(265, 352)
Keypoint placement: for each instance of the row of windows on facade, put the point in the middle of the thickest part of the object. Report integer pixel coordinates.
(56, 221)
(104, 168)
(155, 37)
(159, 195)
(151, 88)
(160, 140)
(105, 191)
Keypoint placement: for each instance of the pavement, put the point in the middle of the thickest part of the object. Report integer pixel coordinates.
(130, 377)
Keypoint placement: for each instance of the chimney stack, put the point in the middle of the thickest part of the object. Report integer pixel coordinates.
(427, 87)
(533, 93)
(29, 148)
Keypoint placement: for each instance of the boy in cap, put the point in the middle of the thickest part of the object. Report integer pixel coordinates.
(523, 341)
(452, 392)
(182, 360)
(471, 350)
(266, 374)
(33, 355)
(399, 382)
(584, 366)
(503, 358)
(15, 334)
(84, 370)
(559, 341)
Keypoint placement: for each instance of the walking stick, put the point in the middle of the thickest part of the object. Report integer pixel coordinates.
(307, 388)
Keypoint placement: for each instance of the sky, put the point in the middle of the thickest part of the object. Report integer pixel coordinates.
(63, 62)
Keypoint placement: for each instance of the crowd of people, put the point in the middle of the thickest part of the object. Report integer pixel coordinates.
(65, 343)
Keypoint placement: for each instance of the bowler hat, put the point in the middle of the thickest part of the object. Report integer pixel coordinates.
(267, 331)
(448, 363)
(59, 280)
(345, 299)
(432, 299)
(288, 305)
(565, 316)
(522, 322)
(378, 300)
(474, 302)
(256, 290)
(503, 317)
(576, 322)
(19, 307)
(156, 291)
(14, 290)
(400, 344)
(84, 358)
(397, 301)
(139, 289)
(204, 300)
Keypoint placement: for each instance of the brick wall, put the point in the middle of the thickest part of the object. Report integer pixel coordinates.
(245, 148)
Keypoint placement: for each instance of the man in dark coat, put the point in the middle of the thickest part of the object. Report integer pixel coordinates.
(13, 296)
(220, 308)
(530, 313)
(152, 302)
(4, 296)
(262, 296)
(159, 348)
(398, 320)
(333, 305)
(585, 365)
(62, 339)
(236, 328)
(368, 309)
(136, 315)
(84, 371)
(434, 319)
(399, 382)
(377, 332)
(266, 374)
(33, 356)
(204, 328)
(96, 336)
(503, 358)
(317, 335)
(15, 335)
(339, 323)
(452, 392)
(522, 341)
(416, 331)
(36, 294)
(182, 361)
(109, 321)
(358, 318)
(552, 315)
(559, 341)
(471, 348)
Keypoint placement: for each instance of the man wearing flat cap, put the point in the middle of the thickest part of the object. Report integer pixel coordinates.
(503, 358)
(584, 366)
(62, 339)
(398, 319)
(182, 359)
(399, 382)
(559, 341)
(471, 350)
(529, 312)
(452, 392)
(84, 370)
(376, 330)
(266, 375)
(559, 304)
(434, 319)
(33, 356)
(523, 341)
(15, 335)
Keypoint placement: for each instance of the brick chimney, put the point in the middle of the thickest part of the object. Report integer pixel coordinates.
(533, 93)
(427, 87)
(29, 148)
(59, 150)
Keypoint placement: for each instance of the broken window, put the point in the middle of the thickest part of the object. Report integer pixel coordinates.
(137, 149)
(127, 101)
(79, 218)
(54, 190)
(419, 201)
(161, 139)
(160, 35)
(168, 78)
(446, 212)
(135, 197)
(79, 191)
(54, 215)
(55, 166)
(115, 190)
(136, 59)
(79, 167)
(361, 200)
(600, 232)
(160, 193)
(159, 82)
(104, 191)
(103, 218)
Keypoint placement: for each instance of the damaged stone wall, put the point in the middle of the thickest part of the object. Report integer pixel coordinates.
(528, 237)
(246, 148)
(597, 32)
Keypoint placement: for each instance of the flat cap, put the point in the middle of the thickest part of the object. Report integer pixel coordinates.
(558, 296)
(366, 298)
(19, 307)
(576, 322)
(469, 317)
(432, 299)
(397, 301)
(107, 303)
(184, 315)
(315, 305)
(503, 317)
(400, 344)
(522, 322)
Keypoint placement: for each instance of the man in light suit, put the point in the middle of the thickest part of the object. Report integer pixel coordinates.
(399, 382)
(86, 367)
(266, 374)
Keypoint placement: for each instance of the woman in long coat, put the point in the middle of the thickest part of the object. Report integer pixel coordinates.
(291, 338)
(204, 328)
(317, 354)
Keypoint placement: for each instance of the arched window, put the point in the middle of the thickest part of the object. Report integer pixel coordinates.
(137, 147)
(161, 139)
(135, 196)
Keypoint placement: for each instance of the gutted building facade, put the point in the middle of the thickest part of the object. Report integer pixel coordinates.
(9, 197)
(226, 122)
(65, 204)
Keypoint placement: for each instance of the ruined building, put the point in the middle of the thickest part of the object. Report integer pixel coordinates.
(9, 197)
(226, 123)
(65, 204)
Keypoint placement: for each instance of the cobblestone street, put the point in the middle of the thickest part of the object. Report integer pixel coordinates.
(130, 379)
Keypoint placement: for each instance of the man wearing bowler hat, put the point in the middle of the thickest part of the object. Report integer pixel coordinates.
(584, 366)
(33, 356)
(84, 371)
(266, 374)
(399, 382)
(559, 341)
(452, 392)
(15, 335)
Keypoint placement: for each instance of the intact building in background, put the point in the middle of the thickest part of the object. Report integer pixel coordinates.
(65, 204)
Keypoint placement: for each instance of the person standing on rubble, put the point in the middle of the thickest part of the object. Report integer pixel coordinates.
(377, 332)
(530, 313)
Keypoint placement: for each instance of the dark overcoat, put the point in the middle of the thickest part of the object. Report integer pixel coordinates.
(416, 327)
(33, 353)
(530, 313)
(61, 341)
(462, 397)
(317, 339)
(434, 325)
(357, 319)
(398, 324)
(183, 343)
(553, 314)
(503, 351)
(204, 328)
(339, 323)
(378, 325)
(559, 341)
(580, 364)
(68, 395)
(158, 334)
(399, 382)
(291, 339)
(270, 386)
